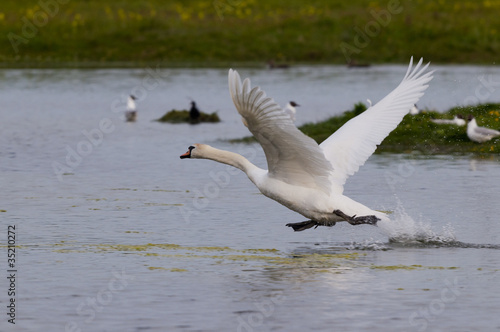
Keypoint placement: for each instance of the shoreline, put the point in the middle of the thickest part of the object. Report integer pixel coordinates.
(198, 65)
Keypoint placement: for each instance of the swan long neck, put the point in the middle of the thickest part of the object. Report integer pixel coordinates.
(230, 158)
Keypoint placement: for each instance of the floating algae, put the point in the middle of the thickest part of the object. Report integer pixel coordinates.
(182, 116)
(317, 262)
(167, 269)
(411, 267)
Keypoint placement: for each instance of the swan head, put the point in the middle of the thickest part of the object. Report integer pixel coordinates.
(195, 151)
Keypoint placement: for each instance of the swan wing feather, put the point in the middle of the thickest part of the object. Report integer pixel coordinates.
(292, 157)
(351, 145)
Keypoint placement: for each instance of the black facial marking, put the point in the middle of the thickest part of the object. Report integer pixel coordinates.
(188, 154)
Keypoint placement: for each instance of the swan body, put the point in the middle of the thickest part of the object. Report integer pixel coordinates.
(480, 134)
(306, 177)
(457, 120)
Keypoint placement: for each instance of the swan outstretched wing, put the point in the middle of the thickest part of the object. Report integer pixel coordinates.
(350, 146)
(291, 156)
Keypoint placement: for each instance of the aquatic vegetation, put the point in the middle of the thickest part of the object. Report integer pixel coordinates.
(163, 204)
(182, 116)
(167, 269)
(319, 262)
(411, 267)
(395, 267)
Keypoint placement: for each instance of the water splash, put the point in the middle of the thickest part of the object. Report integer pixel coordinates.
(369, 245)
(402, 229)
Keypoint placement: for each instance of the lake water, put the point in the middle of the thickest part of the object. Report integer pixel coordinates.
(115, 233)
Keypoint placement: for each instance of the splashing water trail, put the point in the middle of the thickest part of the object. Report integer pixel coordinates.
(402, 229)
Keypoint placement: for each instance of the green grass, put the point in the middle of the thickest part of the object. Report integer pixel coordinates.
(418, 133)
(221, 32)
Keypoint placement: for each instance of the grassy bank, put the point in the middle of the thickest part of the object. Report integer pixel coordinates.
(218, 32)
(418, 133)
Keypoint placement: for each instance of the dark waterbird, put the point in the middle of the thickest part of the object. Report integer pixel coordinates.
(194, 113)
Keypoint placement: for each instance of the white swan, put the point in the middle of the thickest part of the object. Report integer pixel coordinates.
(306, 177)
(480, 134)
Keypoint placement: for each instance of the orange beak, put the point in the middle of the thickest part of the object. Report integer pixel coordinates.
(186, 155)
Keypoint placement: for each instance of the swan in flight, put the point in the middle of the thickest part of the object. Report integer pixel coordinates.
(306, 177)
(131, 113)
(457, 120)
(290, 109)
(480, 134)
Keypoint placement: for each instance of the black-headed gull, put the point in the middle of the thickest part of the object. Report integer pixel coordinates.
(290, 109)
(457, 120)
(131, 112)
(480, 134)
(414, 110)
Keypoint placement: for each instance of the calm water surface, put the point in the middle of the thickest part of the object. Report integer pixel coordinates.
(116, 233)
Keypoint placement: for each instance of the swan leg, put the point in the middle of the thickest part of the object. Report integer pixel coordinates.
(370, 220)
(302, 226)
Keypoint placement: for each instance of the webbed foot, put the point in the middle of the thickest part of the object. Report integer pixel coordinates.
(370, 220)
(302, 226)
